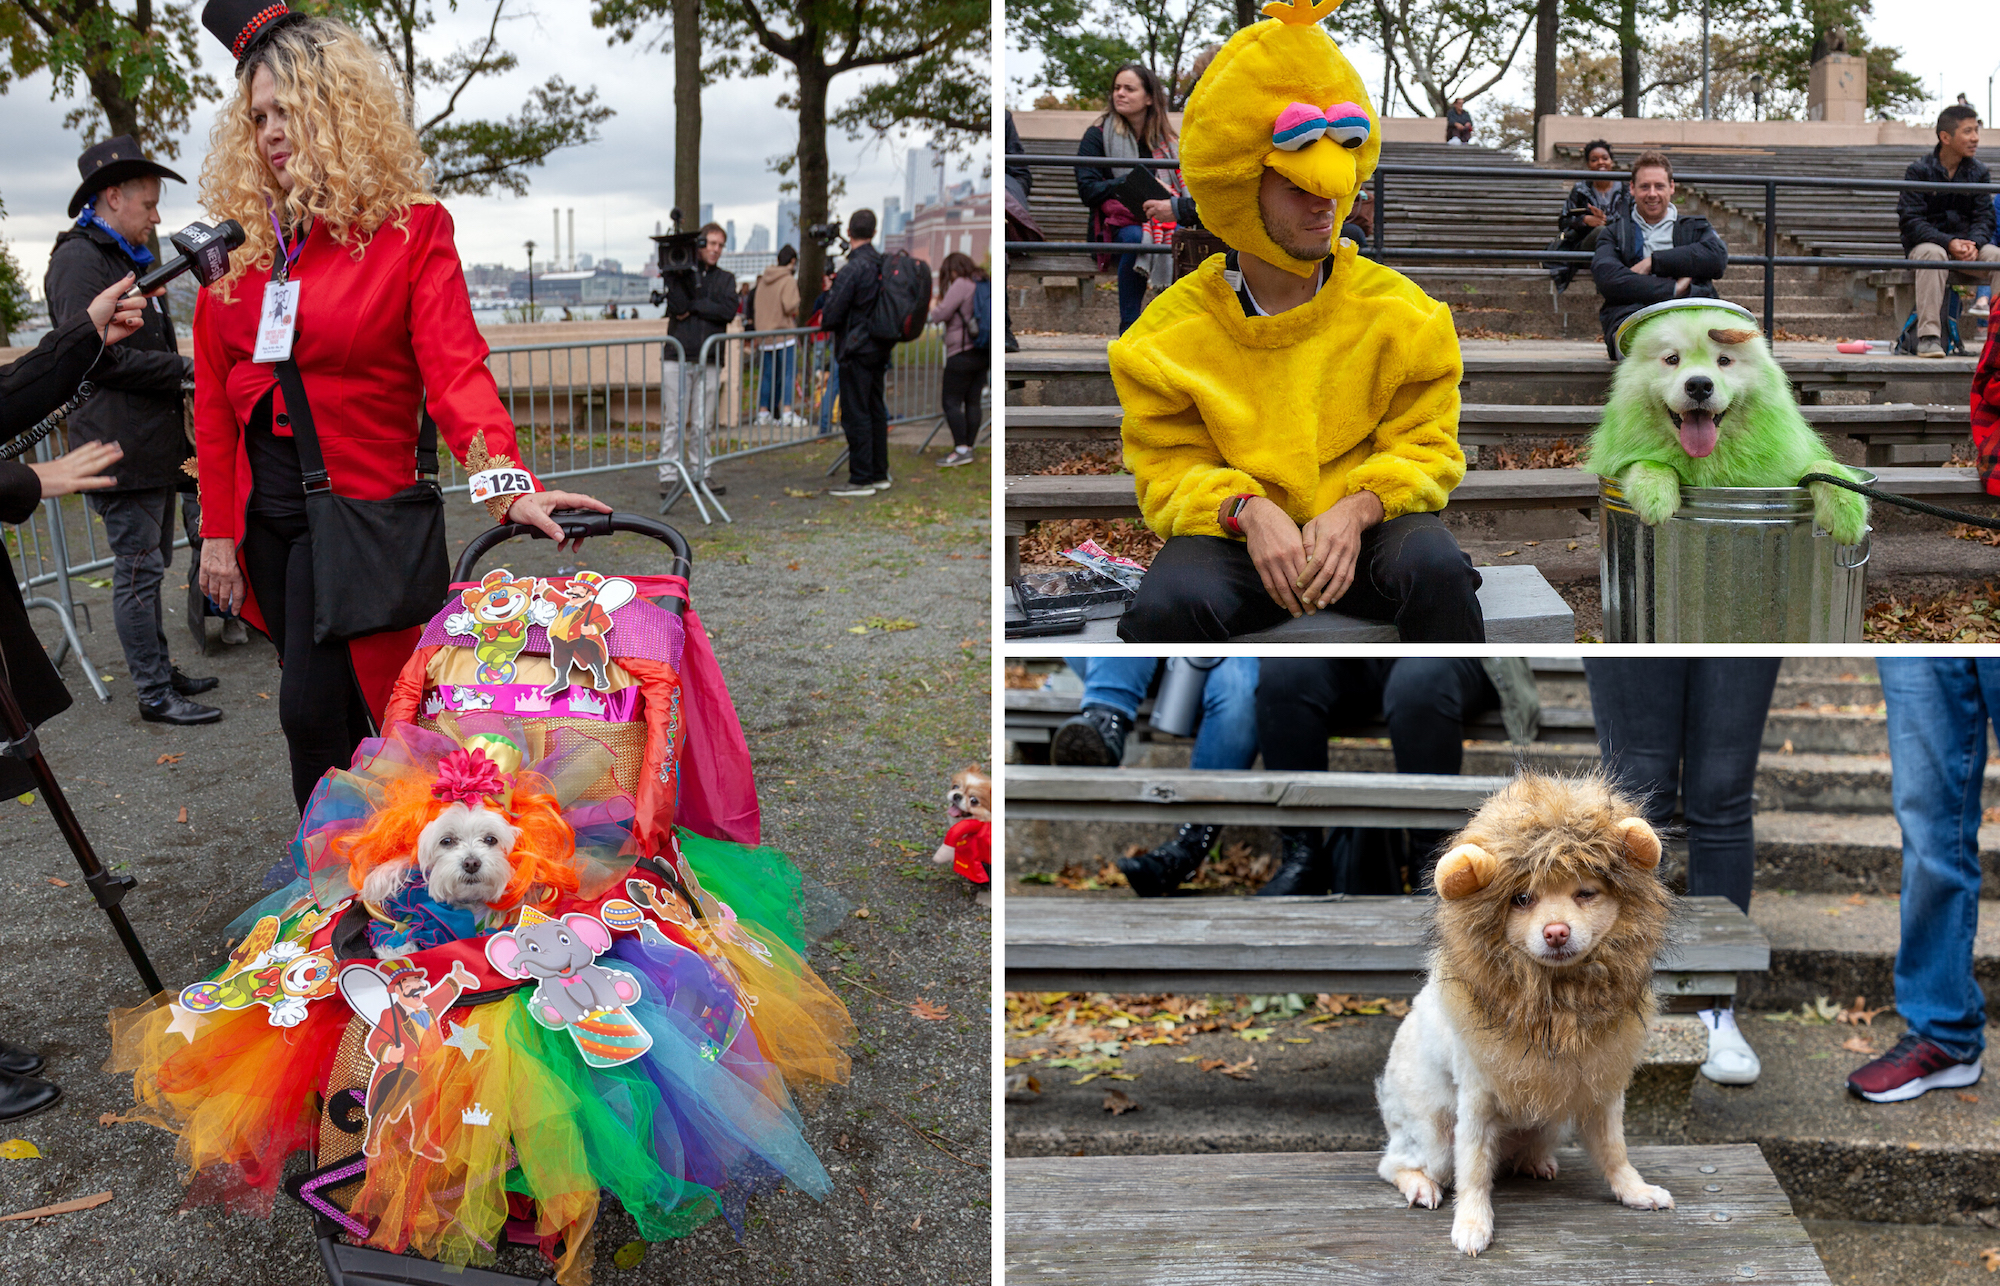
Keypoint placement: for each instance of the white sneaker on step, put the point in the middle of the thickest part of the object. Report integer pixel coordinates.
(1731, 1061)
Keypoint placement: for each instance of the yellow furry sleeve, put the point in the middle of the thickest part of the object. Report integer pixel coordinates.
(1179, 474)
(1417, 459)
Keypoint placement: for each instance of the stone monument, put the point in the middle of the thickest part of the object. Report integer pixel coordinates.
(1837, 85)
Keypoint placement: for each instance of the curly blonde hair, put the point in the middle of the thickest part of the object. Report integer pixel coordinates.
(355, 155)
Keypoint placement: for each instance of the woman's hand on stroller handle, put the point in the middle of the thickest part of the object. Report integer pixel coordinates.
(534, 510)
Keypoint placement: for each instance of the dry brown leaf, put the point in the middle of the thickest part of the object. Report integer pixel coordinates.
(1966, 1096)
(111, 1118)
(1118, 1102)
(916, 1223)
(1956, 616)
(1860, 1014)
(924, 1009)
(1991, 1258)
(61, 1207)
(263, 696)
(170, 759)
(1858, 1044)
(1240, 1071)
(183, 816)
(1855, 899)
(1991, 816)
(1561, 454)
(1045, 542)
(1212, 1064)
(61, 884)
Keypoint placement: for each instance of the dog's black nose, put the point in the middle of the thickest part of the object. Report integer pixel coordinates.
(1699, 387)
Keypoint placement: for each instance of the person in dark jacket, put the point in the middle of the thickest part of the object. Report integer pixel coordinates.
(30, 389)
(863, 360)
(1945, 225)
(138, 406)
(700, 302)
(1652, 252)
(1458, 123)
(1588, 209)
(1137, 126)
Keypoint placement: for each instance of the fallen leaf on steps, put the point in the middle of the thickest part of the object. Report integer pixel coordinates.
(1858, 1045)
(170, 759)
(924, 1009)
(1991, 1258)
(61, 884)
(1860, 1014)
(183, 815)
(19, 1150)
(1855, 899)
(1118, 1102)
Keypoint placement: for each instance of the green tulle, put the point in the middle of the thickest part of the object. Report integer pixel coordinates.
(760, 884)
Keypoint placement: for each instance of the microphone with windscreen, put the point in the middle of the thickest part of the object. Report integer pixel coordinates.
(203, 249)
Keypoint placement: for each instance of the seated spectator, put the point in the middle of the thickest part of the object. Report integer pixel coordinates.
(1226, 738)
(1426, 703)
(1589, 209)
(1135, 126)
(1458, 123)
(1945, 225)
(1290, 408)
(1651, 252)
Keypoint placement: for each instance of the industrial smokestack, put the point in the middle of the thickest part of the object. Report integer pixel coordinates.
(572, 238)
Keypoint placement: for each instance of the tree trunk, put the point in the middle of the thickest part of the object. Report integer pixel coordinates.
(812, 162)
(1547, 35)
(121, 114)
(1247, 12)
(687, 110)
(1628, 57)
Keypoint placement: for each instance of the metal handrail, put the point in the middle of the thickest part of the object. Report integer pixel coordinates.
(1770, 261)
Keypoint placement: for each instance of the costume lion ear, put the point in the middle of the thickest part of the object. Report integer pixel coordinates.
(1641, 844)
(1464, 871)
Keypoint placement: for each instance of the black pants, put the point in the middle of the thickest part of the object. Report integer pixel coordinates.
(319, 700)
(1409, 570)
(1425, 701)
(1690, 728)
(964, 378)
(864, 417)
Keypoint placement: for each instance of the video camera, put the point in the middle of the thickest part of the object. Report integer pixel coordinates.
(676, 251)
(825, 235)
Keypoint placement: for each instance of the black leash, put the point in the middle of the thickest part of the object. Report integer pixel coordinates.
(1886, 497)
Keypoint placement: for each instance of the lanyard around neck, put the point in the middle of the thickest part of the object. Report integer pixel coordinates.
(288, 254)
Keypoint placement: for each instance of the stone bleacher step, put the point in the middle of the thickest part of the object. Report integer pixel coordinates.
(1823, 944)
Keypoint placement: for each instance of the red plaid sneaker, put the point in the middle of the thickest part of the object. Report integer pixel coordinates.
(1911, 1068)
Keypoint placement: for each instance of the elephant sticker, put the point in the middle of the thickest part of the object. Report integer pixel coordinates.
(572, 992)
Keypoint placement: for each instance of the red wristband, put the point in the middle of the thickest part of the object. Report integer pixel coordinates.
(1231, 512)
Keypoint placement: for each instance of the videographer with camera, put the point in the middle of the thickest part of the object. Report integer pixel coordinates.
(863, 360)
(700, 302)
(138, 406)
(30, 390)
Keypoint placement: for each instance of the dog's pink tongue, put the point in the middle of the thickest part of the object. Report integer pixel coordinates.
(1698, 433)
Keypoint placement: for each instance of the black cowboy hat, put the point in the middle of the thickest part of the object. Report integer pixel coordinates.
(243, 24)
(109, 164)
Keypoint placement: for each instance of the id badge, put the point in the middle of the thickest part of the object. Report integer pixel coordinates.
(278, 322)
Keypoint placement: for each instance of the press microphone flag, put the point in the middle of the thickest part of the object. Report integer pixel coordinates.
(202, 248)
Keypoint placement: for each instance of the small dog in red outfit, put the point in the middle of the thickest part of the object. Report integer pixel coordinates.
(968, 845)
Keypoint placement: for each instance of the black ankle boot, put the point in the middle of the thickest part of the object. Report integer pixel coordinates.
(19, 1059)
(1161, 871)
(1305, 870)
(1093, 738)
(25, 1095)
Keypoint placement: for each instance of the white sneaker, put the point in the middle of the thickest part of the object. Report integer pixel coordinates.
(852, 492)
(1731, 1061)
(883, 485)
(958, 456)
(763, 417)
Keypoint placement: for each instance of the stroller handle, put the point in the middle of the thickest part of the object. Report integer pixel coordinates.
(578, 524)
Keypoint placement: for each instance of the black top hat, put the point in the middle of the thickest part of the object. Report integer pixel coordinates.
(109, 164)
(243, 24)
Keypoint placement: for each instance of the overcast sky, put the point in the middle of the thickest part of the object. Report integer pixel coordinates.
(1959, 54)
(619, 186)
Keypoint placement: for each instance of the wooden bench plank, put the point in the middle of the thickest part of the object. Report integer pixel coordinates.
(1300, 944)
(1327, 1219)
(1246, 798)
(1031, 716)
(1060, 363)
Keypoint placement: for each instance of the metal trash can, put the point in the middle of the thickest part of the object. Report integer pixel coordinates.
(1735, 565)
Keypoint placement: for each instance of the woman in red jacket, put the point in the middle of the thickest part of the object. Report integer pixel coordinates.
(318, 163)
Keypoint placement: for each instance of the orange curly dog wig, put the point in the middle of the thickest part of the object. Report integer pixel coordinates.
(544, 855)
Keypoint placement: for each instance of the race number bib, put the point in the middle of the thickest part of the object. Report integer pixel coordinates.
(491, 484)
(277, 323)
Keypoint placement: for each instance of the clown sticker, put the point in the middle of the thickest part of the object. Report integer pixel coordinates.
(281, 976)
(583, 607)
(405, 1012)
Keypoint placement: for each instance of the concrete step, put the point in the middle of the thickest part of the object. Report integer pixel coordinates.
(1825, 945)
(1934, 1160)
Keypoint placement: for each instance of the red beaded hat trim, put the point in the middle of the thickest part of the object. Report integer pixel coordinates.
(257, 23)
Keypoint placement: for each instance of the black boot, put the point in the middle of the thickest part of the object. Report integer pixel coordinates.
(1093, 738)
(1161, 871)
(19, 1059)
(25, 1095)
(1305, 871)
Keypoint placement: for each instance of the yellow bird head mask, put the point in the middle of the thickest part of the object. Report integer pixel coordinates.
(1280, 96)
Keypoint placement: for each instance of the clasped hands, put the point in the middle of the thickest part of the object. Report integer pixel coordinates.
(1308, 568)
(1645, 269)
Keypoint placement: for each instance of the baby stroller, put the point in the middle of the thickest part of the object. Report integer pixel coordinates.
(632, 1014)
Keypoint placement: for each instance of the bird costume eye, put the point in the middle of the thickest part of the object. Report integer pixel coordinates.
(1302, 124)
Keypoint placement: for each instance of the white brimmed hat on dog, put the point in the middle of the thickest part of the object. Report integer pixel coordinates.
(1626, 327)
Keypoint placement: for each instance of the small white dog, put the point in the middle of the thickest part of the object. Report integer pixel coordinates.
(462, 856)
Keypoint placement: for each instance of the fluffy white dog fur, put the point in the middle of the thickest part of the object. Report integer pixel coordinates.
(462, 856)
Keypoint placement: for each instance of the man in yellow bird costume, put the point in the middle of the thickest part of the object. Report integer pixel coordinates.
(1291, 409)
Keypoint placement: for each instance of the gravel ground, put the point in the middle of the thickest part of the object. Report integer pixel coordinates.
(854, 735)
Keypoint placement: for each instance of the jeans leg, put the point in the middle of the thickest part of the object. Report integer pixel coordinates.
(1131, 286)
(1116, 681)
(139, 527)
(1727, 701)
(1638, 707)
(1938, 710)
(1227, 737)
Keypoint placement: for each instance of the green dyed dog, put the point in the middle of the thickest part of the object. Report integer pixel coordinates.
(1698, 399)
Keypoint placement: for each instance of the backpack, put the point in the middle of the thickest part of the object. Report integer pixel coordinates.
(982, 316)
(902, 301)
(1948, 337)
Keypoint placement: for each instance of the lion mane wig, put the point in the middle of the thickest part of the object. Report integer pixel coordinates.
(355, 154)
(1542, 829)
(544, 854)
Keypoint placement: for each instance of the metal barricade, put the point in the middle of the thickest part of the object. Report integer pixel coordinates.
(41, 548)
(588, 407)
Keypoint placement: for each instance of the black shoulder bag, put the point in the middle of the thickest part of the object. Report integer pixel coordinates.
(378, 565)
